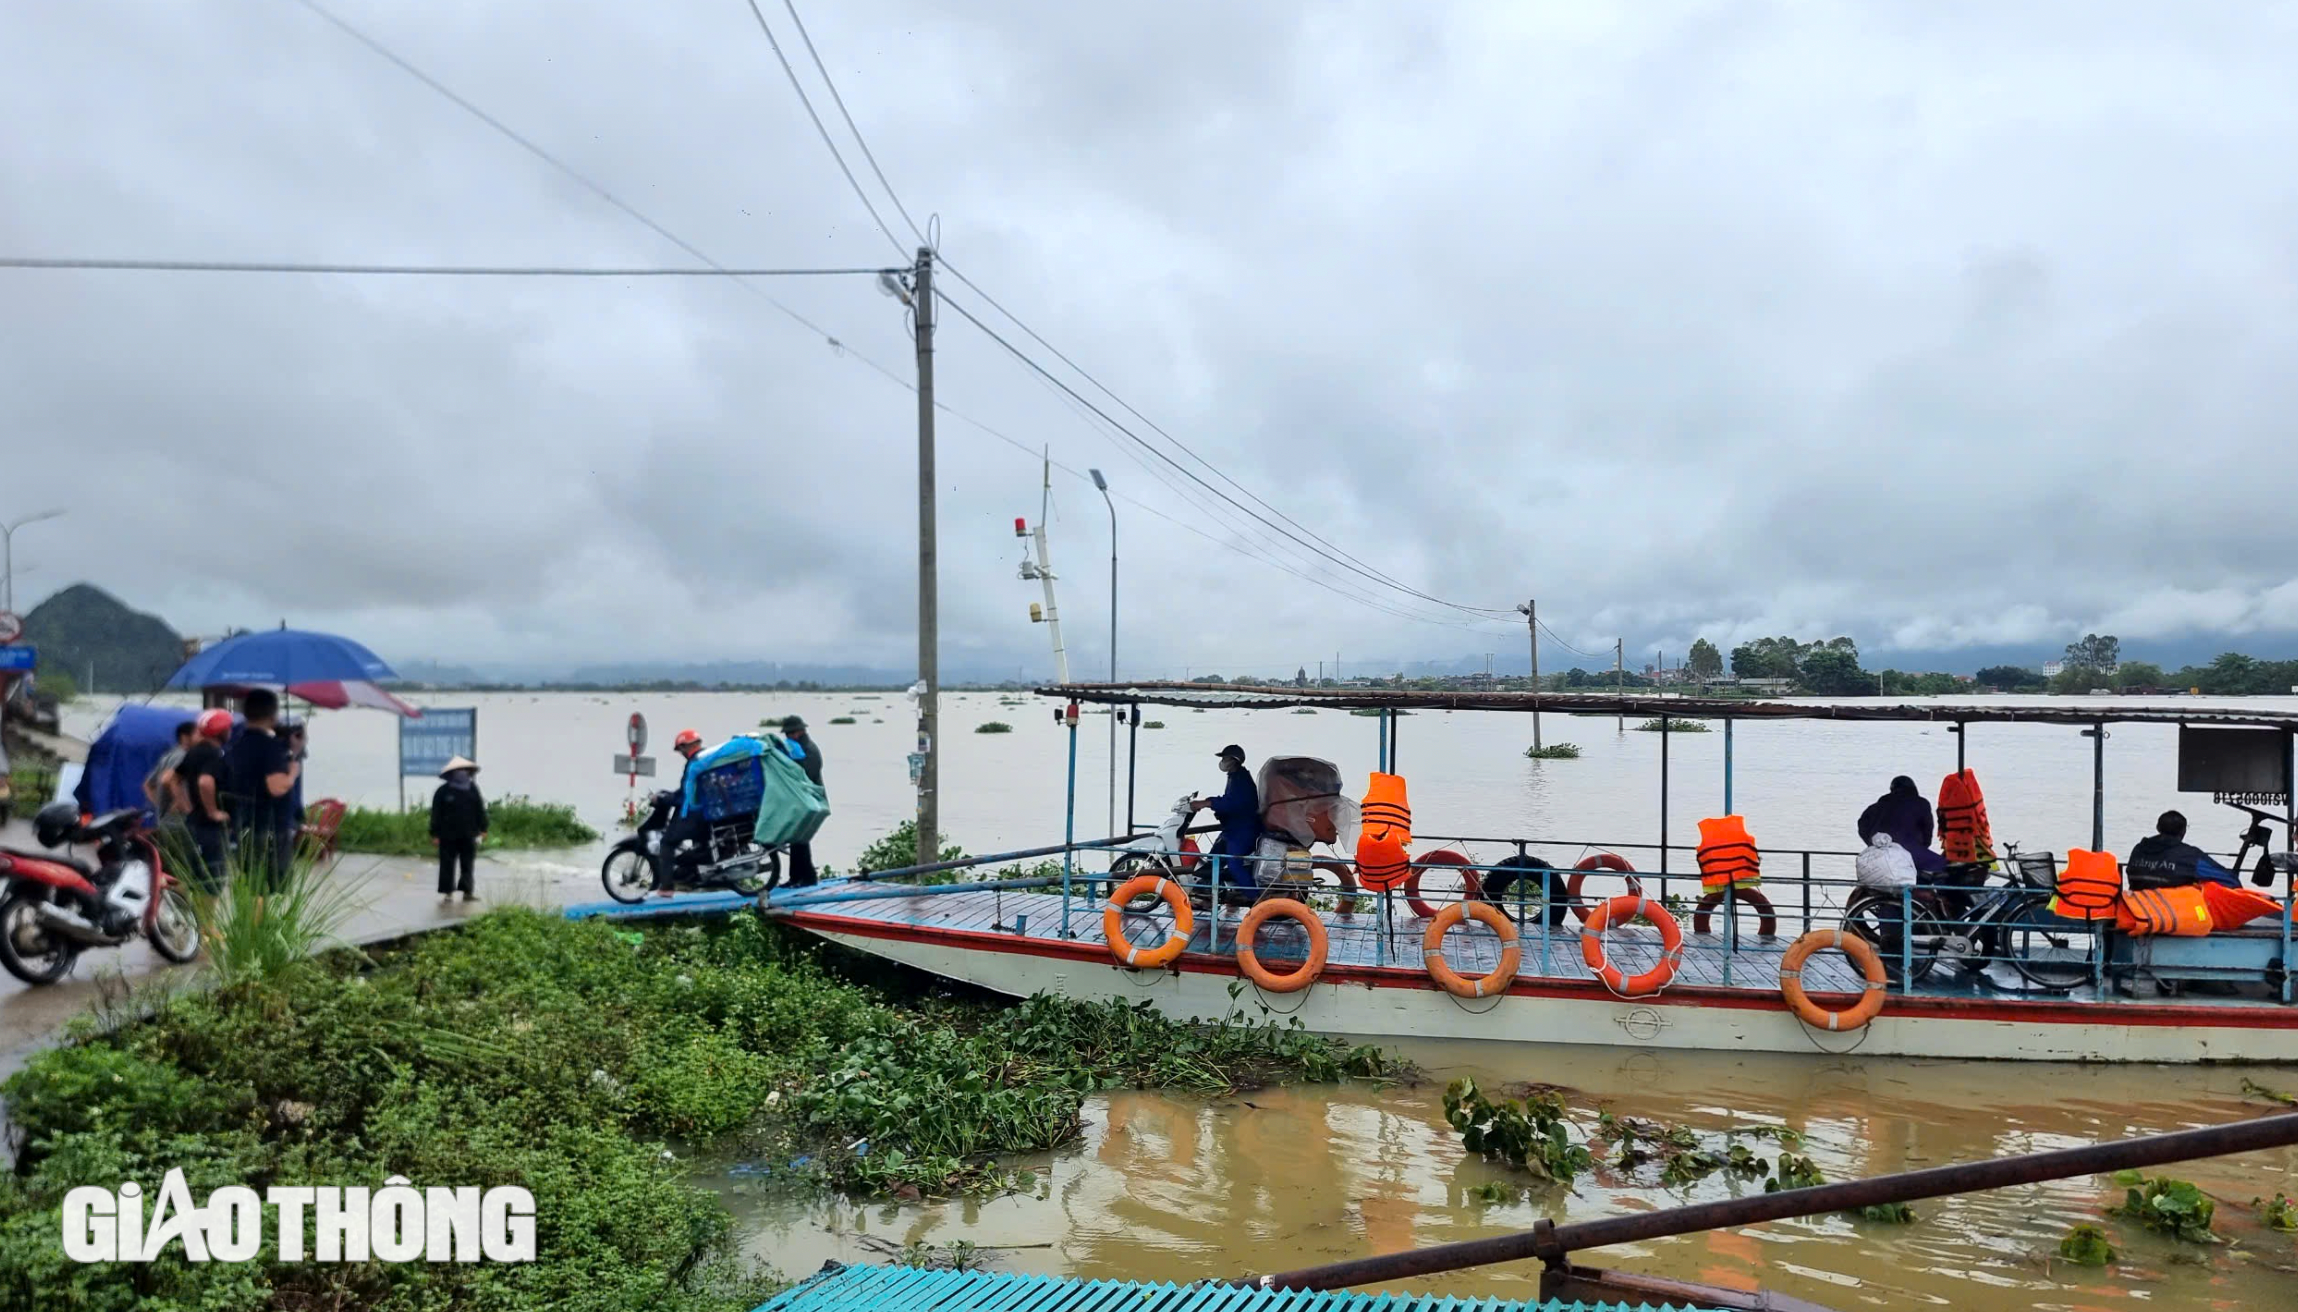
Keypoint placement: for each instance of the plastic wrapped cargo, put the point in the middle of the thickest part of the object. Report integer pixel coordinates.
(791, 807)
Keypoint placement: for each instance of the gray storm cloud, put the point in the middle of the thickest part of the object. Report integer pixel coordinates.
(1944, 326)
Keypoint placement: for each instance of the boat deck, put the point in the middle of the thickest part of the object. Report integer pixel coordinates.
(1548, 956)
(1355, 941)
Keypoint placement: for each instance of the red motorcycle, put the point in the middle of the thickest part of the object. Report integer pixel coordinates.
(54, 906)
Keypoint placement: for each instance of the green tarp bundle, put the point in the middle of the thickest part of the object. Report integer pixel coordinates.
(792, 807)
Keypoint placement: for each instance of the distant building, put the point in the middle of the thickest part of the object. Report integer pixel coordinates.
(2053, 669)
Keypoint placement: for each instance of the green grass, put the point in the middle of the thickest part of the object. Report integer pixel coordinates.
(1554, 752)
(513, 822)
(523, 1048)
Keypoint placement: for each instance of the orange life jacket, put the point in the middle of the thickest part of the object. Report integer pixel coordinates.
(2183, 911)
(1728, 858)
(1964, 834)
(1381, 859)
(2089, 886)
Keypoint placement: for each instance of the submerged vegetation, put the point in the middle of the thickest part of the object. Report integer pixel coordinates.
(514, 821)
(2172, 1207)
(560, 1055)
(2086, 1245)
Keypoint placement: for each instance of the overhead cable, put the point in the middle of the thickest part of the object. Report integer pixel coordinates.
(413, 270)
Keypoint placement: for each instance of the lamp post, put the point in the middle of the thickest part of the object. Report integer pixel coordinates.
(8, 555)
(1103, 485)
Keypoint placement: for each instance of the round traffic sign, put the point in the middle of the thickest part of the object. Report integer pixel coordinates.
(11, 628)
(637, 734)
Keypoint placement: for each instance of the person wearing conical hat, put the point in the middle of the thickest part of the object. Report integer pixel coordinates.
(458, 826)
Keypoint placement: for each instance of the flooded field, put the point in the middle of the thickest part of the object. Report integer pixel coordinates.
(1181, 1189)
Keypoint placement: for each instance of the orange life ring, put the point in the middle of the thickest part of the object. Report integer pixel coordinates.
(1472, 888)
(1452, 981)
(1342, 871)
(1302, 976)
(1624, 909)
(1113, 922)
(1767, 926)
(1862, 955)
(1598, 861)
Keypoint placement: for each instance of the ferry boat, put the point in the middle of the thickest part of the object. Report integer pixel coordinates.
(1785, 966)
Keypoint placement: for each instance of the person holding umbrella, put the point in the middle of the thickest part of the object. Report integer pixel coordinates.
(458, 826)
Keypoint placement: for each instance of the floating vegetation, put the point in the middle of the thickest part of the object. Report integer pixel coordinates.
(1671, 724)
(2252, 1088)
(993, 726)
(2087, 1245)
(2280, 1214)
(1554, 752)
(1531, 1135)
(1152, 724)
(1794, 1173)
(1305, 710)
(1375, 710)
(2166, 1206)
(842, 719)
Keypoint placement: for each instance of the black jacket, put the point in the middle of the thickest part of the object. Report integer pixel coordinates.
(458, 813)
(2157, 861)
(811, 763)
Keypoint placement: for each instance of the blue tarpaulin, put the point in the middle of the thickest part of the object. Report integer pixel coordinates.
(134, 740)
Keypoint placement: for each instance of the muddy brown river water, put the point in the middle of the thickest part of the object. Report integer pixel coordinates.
(1179, 1189)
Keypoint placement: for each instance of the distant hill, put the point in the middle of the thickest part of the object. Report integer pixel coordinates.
(84, 626)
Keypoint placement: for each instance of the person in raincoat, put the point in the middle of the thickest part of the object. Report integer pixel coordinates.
(458, 826)
(1904, 814)
(800, 747)
(1238, 808)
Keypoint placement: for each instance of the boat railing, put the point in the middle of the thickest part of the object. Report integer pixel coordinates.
(1996, 938)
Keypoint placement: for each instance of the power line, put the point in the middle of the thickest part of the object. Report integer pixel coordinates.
(413, 270)
(1324, 548)
(859, 139)
(1185, 471)
(392, 57)
(808, 102)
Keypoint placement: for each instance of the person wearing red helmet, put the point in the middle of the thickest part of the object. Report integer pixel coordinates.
(200, 776)
(682, 830)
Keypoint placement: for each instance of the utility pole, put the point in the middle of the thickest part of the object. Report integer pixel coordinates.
(1619, 687)
(929, 617)
(1531, 613)
(1048, 614)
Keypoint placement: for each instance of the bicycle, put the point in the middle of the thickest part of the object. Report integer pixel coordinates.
(2012, 923)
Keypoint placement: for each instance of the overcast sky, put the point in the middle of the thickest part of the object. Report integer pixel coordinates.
(1935, 324)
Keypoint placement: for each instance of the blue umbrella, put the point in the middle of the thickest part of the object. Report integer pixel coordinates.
(281, 658)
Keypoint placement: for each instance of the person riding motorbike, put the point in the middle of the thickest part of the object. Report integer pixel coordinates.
(684, 828)
(1238, 808)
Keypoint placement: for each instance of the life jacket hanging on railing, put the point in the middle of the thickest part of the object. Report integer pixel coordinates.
(2183, 911)
(1964, 834)
(1727, 855)
(2089, 886)
(1382, 856)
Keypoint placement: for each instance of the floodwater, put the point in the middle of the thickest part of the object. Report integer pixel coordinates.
(1181, 1189)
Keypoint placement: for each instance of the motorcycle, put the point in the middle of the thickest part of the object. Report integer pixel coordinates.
(728, 856)
(54, 907)
(1171, 852)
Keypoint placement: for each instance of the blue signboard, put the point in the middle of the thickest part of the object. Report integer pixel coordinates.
(444, 733)
(18, 658)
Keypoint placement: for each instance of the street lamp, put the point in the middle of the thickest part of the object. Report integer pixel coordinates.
(8, 555)
(1103, 485)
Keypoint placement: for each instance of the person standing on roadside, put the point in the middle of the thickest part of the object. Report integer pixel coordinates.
(260, 769)
(200, 777)
(458, 826)
(808, 755)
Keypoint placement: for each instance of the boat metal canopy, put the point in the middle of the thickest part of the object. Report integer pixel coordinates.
(1233, 696)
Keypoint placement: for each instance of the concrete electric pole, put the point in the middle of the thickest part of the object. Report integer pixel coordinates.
(929, 609)
(1530, 610)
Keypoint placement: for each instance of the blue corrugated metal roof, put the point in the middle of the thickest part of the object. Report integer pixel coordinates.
(869, 1288)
